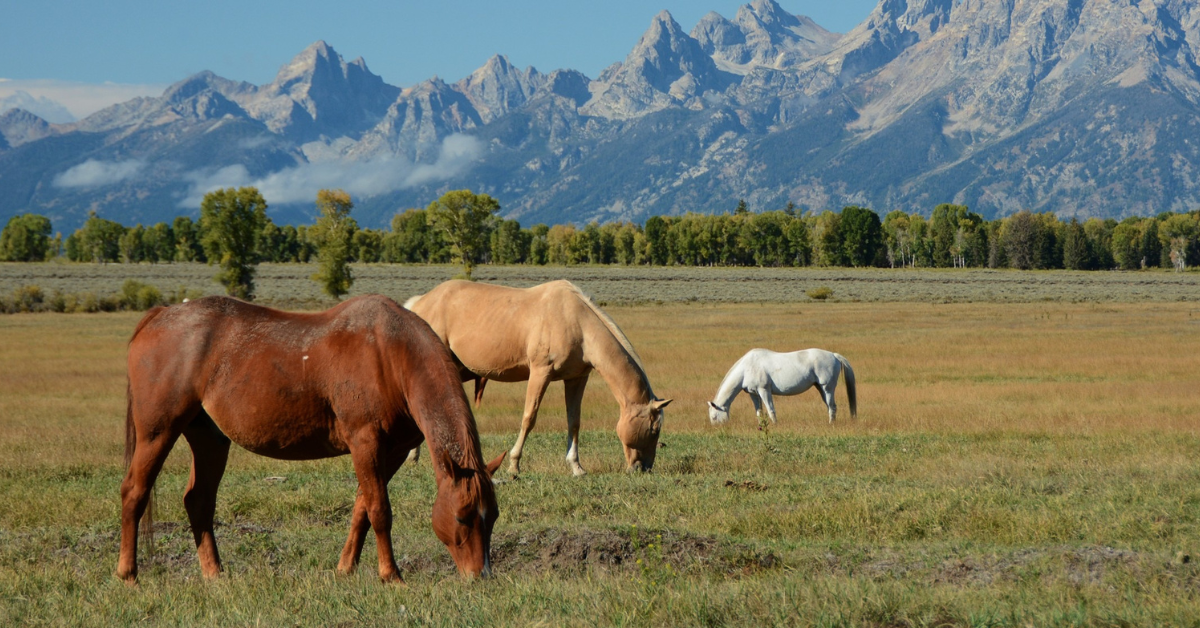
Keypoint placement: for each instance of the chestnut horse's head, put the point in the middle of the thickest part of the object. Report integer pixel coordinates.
(465, 512)
(638, 429)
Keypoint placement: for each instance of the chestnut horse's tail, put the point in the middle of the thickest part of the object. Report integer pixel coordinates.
(147, 523)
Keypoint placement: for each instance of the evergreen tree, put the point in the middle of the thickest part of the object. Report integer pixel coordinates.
(862, 235)
(1077, 254)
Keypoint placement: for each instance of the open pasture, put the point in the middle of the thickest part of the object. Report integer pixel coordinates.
(291, 285)
(1012, 464)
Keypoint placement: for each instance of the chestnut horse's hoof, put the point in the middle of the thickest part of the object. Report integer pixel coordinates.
(394, 579)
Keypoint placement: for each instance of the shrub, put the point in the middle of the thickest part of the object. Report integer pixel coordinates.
(58, 302)
(136, 295)
(87, 302)
(28, 298)
(820, 294)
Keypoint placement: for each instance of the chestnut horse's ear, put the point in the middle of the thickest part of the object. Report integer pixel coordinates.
(659, 404)
(448, 465)
(495, 464)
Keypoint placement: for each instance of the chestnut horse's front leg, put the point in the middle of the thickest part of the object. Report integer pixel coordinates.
(359, 521)
(374, 466)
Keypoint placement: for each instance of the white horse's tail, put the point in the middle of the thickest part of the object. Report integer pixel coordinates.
(408, 305)
(850, 390)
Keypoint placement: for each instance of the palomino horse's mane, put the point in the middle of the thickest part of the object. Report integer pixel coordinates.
(610, 324)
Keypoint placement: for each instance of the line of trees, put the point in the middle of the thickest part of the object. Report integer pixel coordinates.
(466, 228)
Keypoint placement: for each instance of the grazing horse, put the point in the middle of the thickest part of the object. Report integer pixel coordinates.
(366, 378)
(762, 373)
(542, 334)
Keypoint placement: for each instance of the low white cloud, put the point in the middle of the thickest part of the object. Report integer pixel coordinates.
(40, 106)
(366, 178)
(93, 173)
(81, 99)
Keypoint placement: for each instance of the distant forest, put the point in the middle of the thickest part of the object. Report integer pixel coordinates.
(952, 236)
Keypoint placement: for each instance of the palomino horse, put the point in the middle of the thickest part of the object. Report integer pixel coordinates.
(366, 378)
(542, 334)
(762, 373)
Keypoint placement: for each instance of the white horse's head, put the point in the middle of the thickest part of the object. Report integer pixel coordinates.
(716, 414)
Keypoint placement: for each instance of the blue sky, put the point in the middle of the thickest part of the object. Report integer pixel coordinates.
(150, 42)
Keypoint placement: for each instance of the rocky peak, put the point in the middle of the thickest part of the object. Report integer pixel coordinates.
(317, 93)
(667, 66)
(762, 34)
(570, 84)
(204, 81)
(18, 126)
(892, 27)
(498, 87)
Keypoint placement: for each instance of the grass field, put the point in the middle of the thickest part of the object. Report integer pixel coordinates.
(290, 285)
(1013, 464)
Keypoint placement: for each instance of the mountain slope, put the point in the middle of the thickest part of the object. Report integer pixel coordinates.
(1083, 107)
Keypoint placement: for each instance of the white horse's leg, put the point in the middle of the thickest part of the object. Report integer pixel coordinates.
(768, 401)
(827, 391)
(574, 389)
(757, 403)
(538, 381)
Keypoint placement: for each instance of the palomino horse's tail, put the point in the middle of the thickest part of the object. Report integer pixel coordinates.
(850, 390)
(147, 523)
(408, 305)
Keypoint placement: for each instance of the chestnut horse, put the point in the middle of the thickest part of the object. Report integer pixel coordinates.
(366, 378)
(542, 334)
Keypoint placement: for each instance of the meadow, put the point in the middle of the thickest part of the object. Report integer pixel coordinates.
(1027, 459)
(291, 285)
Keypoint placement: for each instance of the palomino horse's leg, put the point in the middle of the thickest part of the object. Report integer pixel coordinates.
(359, 521)
(538, 381)
(210, 451)
(147, 461)
(574, 389)
(371, 466)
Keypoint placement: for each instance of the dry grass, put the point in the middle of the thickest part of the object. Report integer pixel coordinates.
(1013, 464)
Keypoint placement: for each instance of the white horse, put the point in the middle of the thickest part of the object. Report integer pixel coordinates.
(763, 373)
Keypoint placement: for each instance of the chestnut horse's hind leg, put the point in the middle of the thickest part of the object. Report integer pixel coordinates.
(538, 381)
(359, 521)
(371, 465)
(148, 458)
(210, 451)
(574, 389)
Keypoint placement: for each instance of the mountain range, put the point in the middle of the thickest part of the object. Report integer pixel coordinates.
(1080, 107)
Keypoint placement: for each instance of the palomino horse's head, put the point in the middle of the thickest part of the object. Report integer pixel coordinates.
(716, 414)
(465, 512)
(638, 429)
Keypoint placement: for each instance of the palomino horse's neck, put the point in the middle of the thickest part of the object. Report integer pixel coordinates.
(619, 368)
(730, 387)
